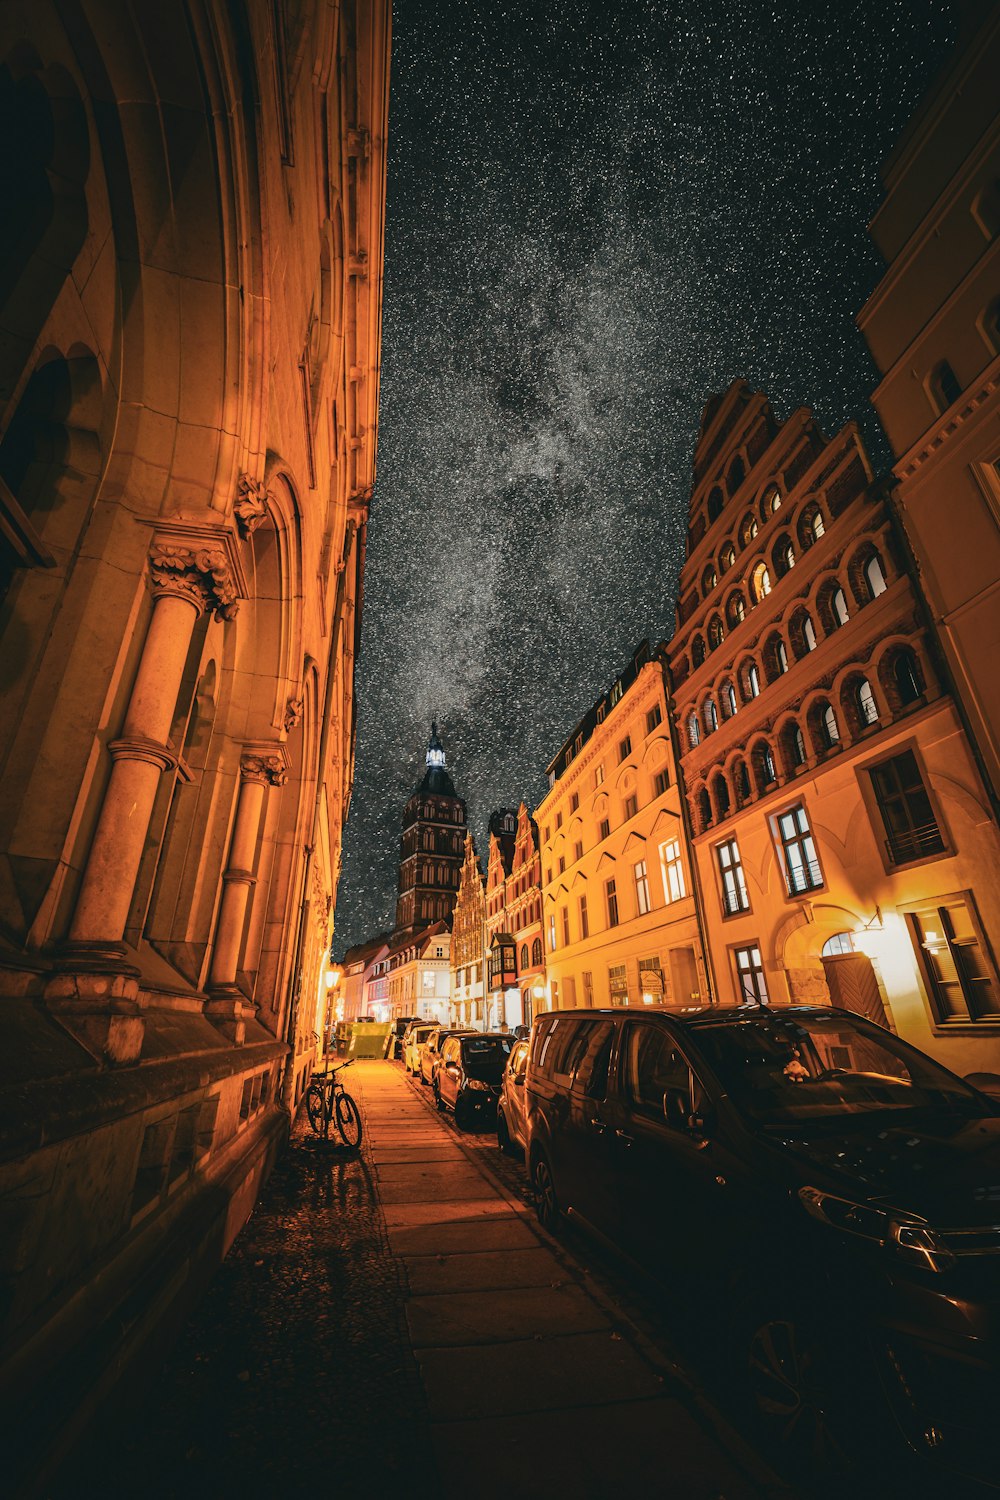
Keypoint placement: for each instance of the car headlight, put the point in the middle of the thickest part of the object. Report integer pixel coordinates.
(910, 1239)
(477, 1084)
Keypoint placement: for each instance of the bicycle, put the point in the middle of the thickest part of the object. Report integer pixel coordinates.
(326, 1100)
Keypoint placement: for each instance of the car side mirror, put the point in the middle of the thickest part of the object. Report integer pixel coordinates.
(519, 1080)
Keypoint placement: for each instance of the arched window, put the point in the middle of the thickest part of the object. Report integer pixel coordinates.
(761, 582)
(830, 727)
(771, 502)
(781, 657)
(716, 633)
(742, 780)
(753, 682)
(715, 504)
(748, 531)
(838, 604)
(835, 946)
(697, 651)
(711, 716)
(906, 677)
(943, 387)
(704, 806)
(874, 576)
(727, 557)
(536, 953)
(694, 731)
(524, 957)
(735, 474)
(797, 745)
(990, 325)
(729, 704)
(721, 797)
(812, 526)
(864, 699)
(784, 557)
(809, 634)
(736, 610)
(708, 580)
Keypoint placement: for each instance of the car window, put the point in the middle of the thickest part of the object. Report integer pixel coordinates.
(657, 1076)
(518, 1060)
(592, 1070)
(450, 1049)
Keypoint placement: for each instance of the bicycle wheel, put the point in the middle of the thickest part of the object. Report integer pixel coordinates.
(316, 1106)
(348, 1120)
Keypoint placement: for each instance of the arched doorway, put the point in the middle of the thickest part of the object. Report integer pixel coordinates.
(851, 979)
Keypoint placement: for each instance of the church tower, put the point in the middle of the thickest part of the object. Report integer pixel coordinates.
(431, 848)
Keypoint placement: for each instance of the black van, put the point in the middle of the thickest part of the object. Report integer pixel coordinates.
(824, 1197)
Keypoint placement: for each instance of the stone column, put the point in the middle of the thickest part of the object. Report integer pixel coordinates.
(194, 565)
(261, 767)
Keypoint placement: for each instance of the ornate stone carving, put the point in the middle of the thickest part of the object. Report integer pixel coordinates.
(198, 571)
(293, 714)
(266, 768)
(250, 508)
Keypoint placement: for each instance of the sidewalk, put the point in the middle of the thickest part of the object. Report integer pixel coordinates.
(395, 1324)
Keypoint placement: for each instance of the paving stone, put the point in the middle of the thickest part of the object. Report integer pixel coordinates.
(483, 1271)
(467, 1235)
(511, 1313)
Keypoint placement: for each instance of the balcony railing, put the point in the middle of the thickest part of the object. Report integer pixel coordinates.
(734, 901)
(914, 843)
(804, 876)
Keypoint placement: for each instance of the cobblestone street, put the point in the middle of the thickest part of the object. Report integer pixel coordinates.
(393, 1322)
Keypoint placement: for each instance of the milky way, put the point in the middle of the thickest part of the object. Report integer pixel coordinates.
(598, 215)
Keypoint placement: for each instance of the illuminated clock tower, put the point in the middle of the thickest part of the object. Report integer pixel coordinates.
(431, 848)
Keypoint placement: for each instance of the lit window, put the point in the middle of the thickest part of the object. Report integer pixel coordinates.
(672, 871)
(809, 634)
(727, 558)
(772, 502)
(961, 979)
(711, 716)
(865, 700)
(874, 577)
(750, 976)
(839, 606)
(694, 732)
(831, 729)
(781, 657)
(729, 699)
(641, 888)
(753, 682)
(737, 610)
(734, 886)
(801, 865)
(761, 582)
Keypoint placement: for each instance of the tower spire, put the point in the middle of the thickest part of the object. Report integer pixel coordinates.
(435, 749)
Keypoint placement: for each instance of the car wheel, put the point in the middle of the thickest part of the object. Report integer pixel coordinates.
(437, 1099)
(503, 1134)
(546, 1203)
(795, 1392)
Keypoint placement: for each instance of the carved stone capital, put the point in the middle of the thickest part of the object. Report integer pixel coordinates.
(197, 561)
(250, 507)
(265, 764)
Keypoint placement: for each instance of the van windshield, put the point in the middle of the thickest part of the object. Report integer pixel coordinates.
(782, 1070)
(486, 1057)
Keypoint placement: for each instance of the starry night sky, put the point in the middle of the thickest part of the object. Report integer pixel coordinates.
(599, 214)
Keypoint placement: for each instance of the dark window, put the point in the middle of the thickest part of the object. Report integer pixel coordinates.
(944, 386)
(734, 886)
(661, 783)
(910, 825)
(625, 748)
(864, 698)
(611, 899)
(653, 718)
(750, 975)
(565, 926)
(604, 828)
(956, 964)
(631, 807)
(802, 871)
(592, 1070)
(906, 677)
(577, 851)
(574, 802)
(584, 919)
(536, 953)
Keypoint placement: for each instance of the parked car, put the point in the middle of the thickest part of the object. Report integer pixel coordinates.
(397, 1031)
(430, 1051)
(826, 1196)
(468, 1078)
(415, 1036)
(512, 1131)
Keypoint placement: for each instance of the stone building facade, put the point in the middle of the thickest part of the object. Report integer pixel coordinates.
(501, 975)
(619, 916)
(467, 933)
(189, 376)
(523, 903)
(844, 843)
(933, 327)
(431, 847)
(419, 976)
